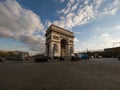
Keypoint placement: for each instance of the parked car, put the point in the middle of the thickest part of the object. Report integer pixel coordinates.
(1, 59)
(74, 58)
(78, 55)
(14, 58)
(82, 56)
(85, 56)
(42, 59)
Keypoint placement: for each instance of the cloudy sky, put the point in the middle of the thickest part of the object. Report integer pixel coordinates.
(95, 23)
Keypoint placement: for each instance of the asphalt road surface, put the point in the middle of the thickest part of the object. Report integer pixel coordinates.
(93, 74)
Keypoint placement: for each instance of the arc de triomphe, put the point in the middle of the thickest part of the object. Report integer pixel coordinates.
(59, 42)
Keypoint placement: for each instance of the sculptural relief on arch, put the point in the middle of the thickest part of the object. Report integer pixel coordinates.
(59, 42)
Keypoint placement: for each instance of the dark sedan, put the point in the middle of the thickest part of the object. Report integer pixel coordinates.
(1, 59)
(42, 59)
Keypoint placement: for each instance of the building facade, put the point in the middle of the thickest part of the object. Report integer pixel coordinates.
(59, 42)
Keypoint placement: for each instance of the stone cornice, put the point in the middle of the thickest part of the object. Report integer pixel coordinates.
(60, 30)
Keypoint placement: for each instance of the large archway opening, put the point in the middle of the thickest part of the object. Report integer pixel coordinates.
(63, 47)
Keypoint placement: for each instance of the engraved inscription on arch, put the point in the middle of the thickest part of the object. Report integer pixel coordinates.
(56, 37)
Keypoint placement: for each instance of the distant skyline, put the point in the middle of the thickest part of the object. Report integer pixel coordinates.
(23, 23)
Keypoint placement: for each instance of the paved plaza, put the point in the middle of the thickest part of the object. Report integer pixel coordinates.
(93, 74)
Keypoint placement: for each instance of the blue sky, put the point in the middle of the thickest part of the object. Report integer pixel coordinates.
(95, 23)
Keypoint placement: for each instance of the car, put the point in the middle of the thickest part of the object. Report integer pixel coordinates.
(85, 56)
(41, 59)
(1, 59)
(82, 56)
(74, 58)
(78, 56)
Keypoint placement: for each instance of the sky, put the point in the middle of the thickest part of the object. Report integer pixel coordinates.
(23, 23)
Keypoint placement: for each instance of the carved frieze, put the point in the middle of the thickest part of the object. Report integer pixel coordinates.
(71, 41)
(55, 37)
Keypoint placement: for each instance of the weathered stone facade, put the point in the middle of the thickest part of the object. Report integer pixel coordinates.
(59, 42)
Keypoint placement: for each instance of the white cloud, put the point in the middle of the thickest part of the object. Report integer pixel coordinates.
(110, 11)
(76, 32)
(19, 23)
(100, 42)
(75, 13)
(76, 40)
(70, 15)
(48, 23)
(112, 7)
(86, 2)
(108, 40)
(113, 11)
(117, 27)
(74, 7)
(60, 23)
(105, 36)
(61, 0)
(98, 3)
(69, 7)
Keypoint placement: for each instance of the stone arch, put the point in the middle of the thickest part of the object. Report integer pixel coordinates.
(58, 41)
